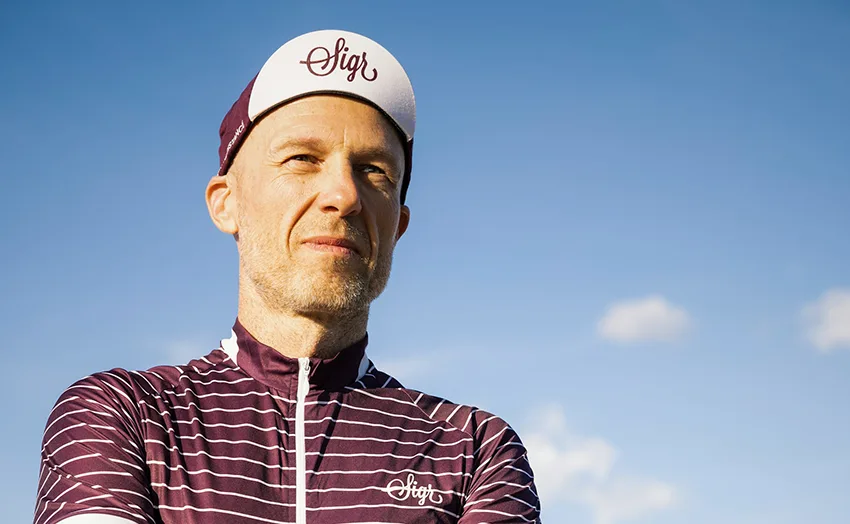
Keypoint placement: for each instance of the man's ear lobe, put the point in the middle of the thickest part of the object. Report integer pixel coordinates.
(403, 221)
(221, 204)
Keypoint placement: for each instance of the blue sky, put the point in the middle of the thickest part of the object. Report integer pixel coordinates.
(629, 231)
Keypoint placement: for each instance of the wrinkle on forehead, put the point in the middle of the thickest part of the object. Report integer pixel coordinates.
(339, 121)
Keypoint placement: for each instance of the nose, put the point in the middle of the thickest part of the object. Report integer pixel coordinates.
(340, 192)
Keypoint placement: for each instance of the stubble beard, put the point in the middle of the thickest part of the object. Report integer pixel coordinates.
(334, 287)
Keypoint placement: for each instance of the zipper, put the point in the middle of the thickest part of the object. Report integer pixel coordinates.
(300, 453)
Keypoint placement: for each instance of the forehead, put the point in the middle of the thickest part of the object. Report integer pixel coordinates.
(331, 118)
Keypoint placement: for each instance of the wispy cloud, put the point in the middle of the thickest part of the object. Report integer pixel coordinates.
(828, 320)
(569, 468)
(408, 368)
(652, 318)
(183, 350)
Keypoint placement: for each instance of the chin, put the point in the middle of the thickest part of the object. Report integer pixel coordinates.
(331, 292)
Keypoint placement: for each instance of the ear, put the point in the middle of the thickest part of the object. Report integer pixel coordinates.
(221, 203)
(403, 221)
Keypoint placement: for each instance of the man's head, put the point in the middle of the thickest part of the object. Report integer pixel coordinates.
(314, 191)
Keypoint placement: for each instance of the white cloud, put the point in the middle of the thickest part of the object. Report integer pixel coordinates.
(828, 320)
(182, 351)
(569, 468)
(408, 368)
(648, 319)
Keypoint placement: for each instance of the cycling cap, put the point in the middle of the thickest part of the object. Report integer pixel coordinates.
(331, 62)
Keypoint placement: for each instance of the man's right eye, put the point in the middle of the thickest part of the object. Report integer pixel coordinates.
(301, 158)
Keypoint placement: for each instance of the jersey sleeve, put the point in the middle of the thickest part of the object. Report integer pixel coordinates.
(92, 456)
(502, 488)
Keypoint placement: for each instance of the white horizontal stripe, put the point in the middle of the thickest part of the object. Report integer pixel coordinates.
(212, 425)
(226, 512)
(143, 377)
(129, 492)
(237, 381)
(69, 399)
(100, 426)
(227, 493)
(90, 473)
(94, 518)
(52, 486)
(225, 395)
(356, 506)
(223, 410)
(407, 457)
(454, 411)
(521, 501)
(377, 488)
(218, 457)
(489, 440)
(508, 466)
(63, 415)
(59, 496)
(393, 472)
(439, 404)
(78, 457)
(213, 370)
(117, 461)
(81, 441)
(484, 423)
(118, 390)
(55, 512)
(213, 441)
(403, 442)
(378, 397)
(389, 414)
(320, 435)
(500, 483)
(374, 425)
(472, 412)
(214, 474)
(482, 510)
(106, 496)
(497, 465)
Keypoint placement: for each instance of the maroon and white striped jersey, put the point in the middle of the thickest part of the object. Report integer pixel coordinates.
(247, 435)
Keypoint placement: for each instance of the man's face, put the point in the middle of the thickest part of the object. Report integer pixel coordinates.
(315, 191)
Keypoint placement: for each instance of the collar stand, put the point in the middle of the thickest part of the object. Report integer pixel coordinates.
(278, 371)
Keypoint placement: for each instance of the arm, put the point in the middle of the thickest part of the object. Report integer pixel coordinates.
(502, 488)
(92, 465)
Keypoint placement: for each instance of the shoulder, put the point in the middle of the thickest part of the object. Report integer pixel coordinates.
(122, 388)
(477, 423)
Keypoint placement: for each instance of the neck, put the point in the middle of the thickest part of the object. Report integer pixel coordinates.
(298, 334)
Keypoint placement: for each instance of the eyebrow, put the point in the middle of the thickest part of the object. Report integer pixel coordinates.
(286, 143)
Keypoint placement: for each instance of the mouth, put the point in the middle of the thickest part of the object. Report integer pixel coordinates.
(333, 245)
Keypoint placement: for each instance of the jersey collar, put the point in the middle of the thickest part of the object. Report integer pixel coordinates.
(275, 370)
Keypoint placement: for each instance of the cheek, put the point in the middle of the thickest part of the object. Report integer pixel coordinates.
(386, 221)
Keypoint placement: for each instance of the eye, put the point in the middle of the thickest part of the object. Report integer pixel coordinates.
(369, 168)
(301, 158)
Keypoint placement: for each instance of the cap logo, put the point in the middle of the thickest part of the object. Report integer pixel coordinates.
(340, 59)
(235, 136)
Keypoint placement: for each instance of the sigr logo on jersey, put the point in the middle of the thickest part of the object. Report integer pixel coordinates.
(400, 491)
(341, 59)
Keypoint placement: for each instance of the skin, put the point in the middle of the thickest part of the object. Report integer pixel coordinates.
(313, 200)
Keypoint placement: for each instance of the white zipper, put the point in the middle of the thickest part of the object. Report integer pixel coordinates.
(300, 454)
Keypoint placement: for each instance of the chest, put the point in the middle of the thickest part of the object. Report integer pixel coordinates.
(254, 458)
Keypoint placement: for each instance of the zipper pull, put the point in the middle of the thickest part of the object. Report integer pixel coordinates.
(304, 379)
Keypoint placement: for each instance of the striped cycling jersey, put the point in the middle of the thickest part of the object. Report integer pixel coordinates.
(247, 435)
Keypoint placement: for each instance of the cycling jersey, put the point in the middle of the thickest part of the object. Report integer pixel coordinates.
(247, 435)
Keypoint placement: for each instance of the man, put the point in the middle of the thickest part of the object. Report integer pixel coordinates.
(289, 421)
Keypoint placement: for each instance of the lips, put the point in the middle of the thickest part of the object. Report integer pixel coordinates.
(333, 244)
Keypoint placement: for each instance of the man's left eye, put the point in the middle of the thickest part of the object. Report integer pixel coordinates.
(369, 168)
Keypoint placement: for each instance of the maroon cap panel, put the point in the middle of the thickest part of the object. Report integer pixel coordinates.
(234, 128)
